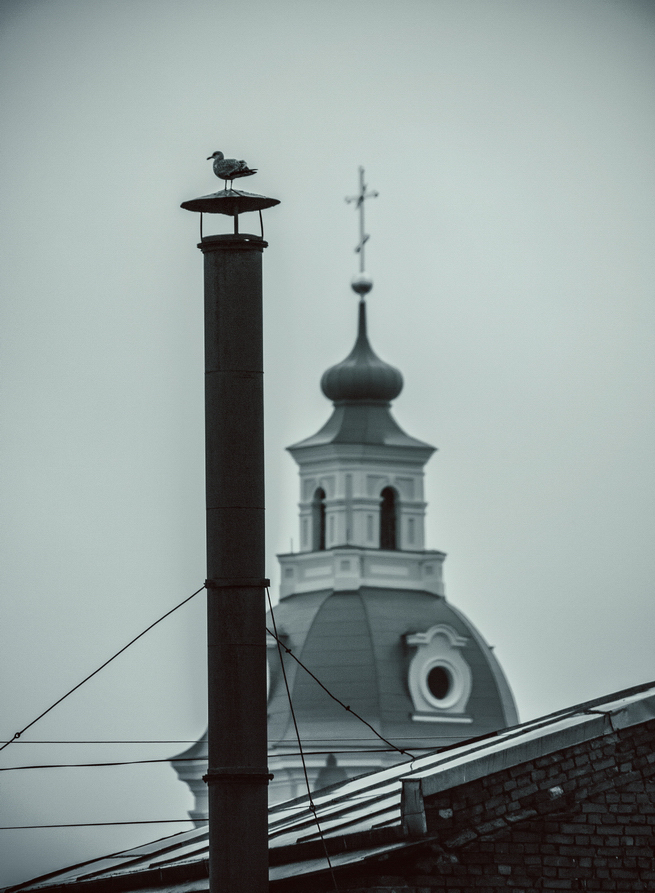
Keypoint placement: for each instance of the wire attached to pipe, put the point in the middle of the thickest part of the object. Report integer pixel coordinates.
(312, 806)
(101, 667)
(281, 644)
(96, 824)
(291, 753)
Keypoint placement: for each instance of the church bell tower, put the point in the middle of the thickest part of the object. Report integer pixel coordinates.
(361, 477)
(362, 509)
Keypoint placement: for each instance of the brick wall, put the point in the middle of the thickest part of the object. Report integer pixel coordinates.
(579, 819)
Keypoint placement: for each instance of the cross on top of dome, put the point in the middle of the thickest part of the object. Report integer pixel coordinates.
(361, 283)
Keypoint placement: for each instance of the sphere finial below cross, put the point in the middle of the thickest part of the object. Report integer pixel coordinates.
(361, 284)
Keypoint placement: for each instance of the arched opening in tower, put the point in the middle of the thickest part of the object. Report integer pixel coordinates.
(388, 519)
(318, 521)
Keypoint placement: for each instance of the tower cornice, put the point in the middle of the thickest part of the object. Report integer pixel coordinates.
(307, 453)
(348, 568)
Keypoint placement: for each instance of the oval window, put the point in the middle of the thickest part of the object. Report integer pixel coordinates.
(439, 682)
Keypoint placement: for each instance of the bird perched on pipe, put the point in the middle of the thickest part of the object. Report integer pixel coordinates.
(229, 168)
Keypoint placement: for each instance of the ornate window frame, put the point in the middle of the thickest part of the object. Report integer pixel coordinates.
(439, 646)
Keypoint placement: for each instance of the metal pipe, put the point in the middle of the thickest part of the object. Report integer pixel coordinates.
(234, 441)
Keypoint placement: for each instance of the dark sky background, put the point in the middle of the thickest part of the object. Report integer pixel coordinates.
(511, 142)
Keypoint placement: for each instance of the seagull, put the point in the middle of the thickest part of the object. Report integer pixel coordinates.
(229, 168)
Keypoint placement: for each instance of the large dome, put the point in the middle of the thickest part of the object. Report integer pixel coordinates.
(363, 646)
(362, 375)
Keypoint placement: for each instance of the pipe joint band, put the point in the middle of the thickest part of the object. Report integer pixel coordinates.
(237, 775)
(238, 583)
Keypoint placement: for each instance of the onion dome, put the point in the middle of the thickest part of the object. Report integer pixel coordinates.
(362, 375)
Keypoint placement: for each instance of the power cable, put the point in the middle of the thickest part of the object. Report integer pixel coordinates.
(101, 667)
(95, 824)
(290, 753)
(312, 806)
(281, 644)
(95, 765)
(189, 740)
(111, 741)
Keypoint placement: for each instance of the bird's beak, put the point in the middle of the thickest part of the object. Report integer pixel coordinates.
(209, 157)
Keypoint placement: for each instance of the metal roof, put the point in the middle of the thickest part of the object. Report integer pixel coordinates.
(368, 424)
(354, 641)
(382, 800)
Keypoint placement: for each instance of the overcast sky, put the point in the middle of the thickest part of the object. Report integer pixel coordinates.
(512, 245)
